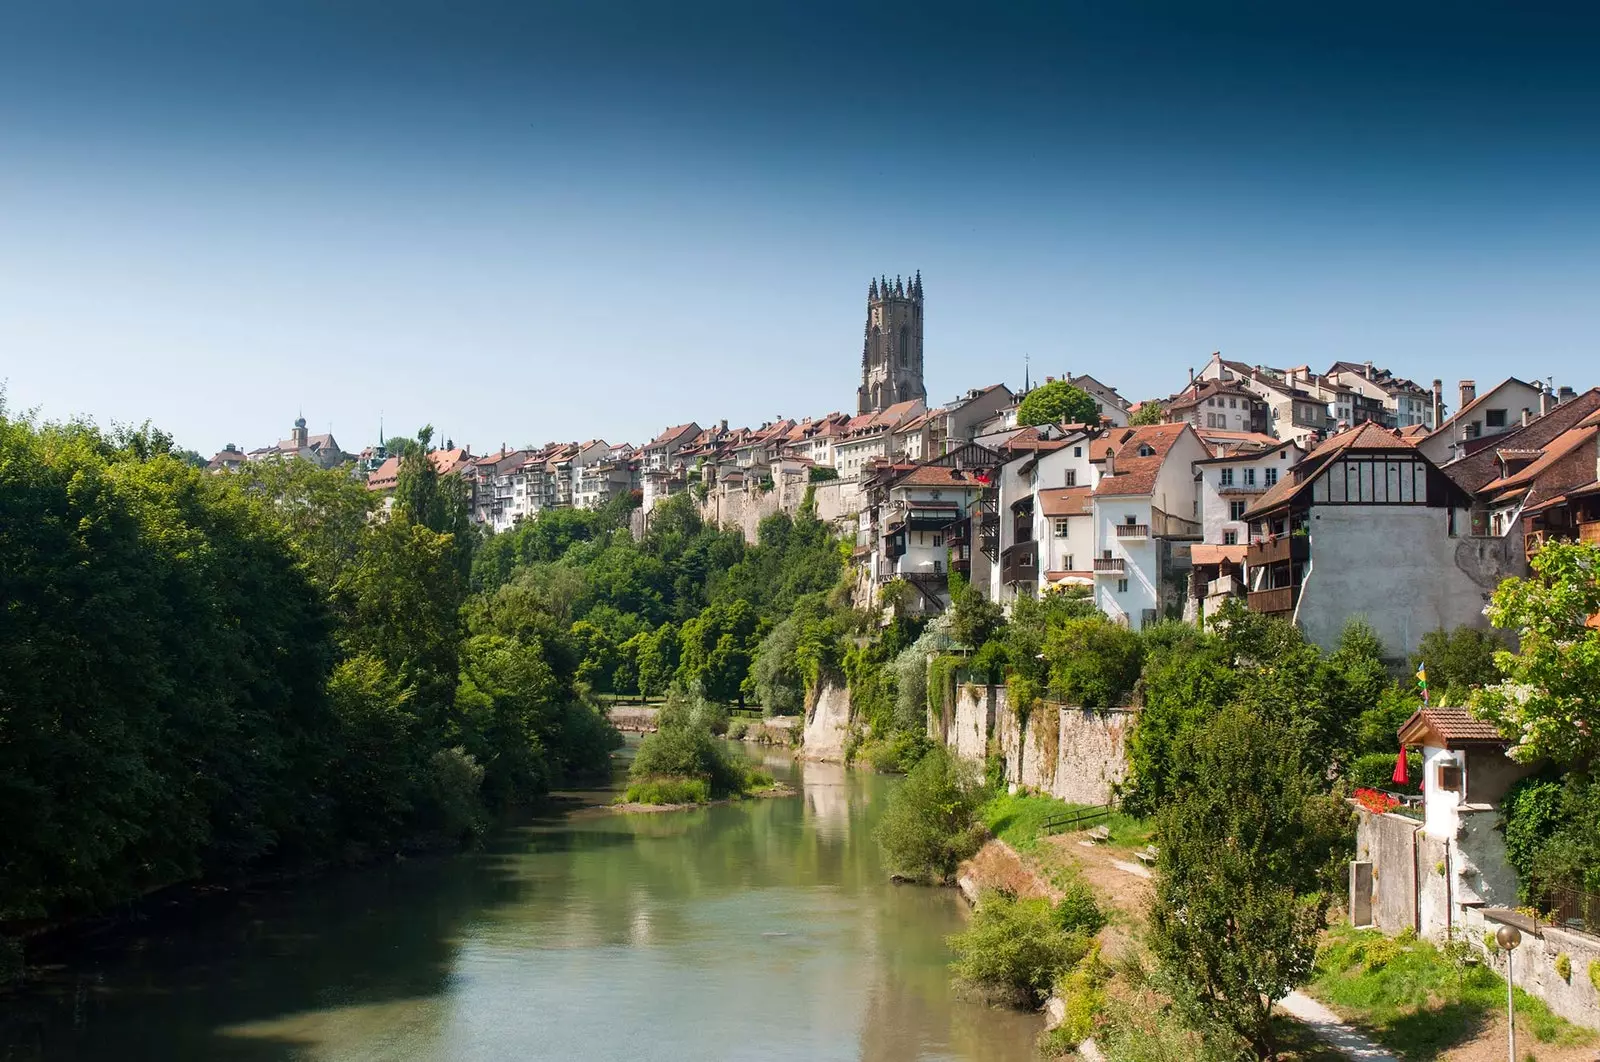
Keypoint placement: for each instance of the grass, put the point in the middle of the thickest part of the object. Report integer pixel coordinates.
(1018, 820)
(1416, 1000)
(668, 791)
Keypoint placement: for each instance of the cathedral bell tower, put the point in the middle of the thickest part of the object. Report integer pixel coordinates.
(891, 348)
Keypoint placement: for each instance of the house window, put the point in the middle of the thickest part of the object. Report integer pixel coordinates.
(1272, 476)
(1449, 778)
(938, 540)
(1130, 519)
(1146, 450)
(1225, 477)
(1122, 586)
(1249, 477)
(1211, 401)
(1236, 510)
(938, 566)
(1071, 477)
(1066, 562)
(1494, 418)
(1061, 528)
(1230, 538)
(1077, 451)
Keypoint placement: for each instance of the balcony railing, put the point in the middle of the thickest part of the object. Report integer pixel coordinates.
(1133, 530)
(1279, 600)
(1110, 566)
(1274, 551)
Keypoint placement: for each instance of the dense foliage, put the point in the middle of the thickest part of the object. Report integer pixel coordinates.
(1546, 701)
(203, 675)
(1248, 844)
(931, 822)
(1015, 949)
(685, 747)
(1058, 402)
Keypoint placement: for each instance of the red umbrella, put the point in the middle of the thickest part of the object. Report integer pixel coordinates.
(1400, 768)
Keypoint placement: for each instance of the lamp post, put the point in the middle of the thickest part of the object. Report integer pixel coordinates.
(1508, 937)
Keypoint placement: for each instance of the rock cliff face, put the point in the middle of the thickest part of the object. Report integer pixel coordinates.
(827, 724)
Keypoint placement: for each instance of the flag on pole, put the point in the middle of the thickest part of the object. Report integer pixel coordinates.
(1422, 681)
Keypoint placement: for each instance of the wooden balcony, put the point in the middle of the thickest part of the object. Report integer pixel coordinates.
(1133, 530)
(1110, 566)
(1020, 563)
(1275, 551)
(1270, 601)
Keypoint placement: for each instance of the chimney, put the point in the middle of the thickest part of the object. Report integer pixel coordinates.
(1369, 370)
(1545, 399)
(1438, 402)
(722, 425)
(1525, 412)
(1469, 391)
(1111, 462)
(1191, 376)
(1566, 394)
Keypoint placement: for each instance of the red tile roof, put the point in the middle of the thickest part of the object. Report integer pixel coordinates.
(1134, 474)
(1448, 728)
(1066, 501)
(1211, 553)
(938, 476)
(1559, 447)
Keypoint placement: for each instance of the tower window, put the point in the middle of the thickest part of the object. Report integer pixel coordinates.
(905, 346)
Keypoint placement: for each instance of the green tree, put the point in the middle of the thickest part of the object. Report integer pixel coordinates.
(1146, 412)
(716, 647)
(974, 619)
(1094, 663)
(1546, 703)
(1058, 402)
(1458, 662)
(1247, 847)
(1188, 677)
(931, 821)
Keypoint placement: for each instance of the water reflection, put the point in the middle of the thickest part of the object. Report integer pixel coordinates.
(761, 930)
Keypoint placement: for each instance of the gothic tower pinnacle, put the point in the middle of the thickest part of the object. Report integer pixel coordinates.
(891, 348)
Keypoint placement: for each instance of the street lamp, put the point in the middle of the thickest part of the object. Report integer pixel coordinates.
(1508, 937)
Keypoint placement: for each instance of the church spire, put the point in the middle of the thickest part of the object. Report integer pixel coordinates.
(1025, 386)
(872, 289)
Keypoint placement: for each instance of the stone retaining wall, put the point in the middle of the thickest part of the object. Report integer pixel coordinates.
(1077, 754)
(827, 724)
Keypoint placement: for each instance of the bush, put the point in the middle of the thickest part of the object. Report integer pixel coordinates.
(1094, 663)
(898, 753)
(1564, 967)
(759, 779)
(1014, 950)
(931, 822)
(668, 791)
(452, 794)
(684, 747)
(737, 729)
(1078, 912)
(1083, 996)
(1375, 770)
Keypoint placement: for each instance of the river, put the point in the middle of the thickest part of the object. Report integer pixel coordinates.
(761, 930)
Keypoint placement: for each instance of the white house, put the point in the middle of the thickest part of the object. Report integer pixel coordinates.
(1497, 410)
(1146, 513)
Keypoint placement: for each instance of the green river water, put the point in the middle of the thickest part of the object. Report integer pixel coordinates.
(764, 930)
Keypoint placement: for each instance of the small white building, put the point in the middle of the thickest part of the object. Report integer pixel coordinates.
(1146, 513)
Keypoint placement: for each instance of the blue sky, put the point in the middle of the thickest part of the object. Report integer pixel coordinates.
(525, 222)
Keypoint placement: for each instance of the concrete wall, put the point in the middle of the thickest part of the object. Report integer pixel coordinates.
(836, 499)
(1534, 968)
(1361, 554)
(827, 725)
(1075, 754)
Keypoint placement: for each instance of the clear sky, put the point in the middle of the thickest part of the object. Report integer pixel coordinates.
(526, 221)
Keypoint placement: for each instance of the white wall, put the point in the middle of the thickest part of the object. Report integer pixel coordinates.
(1393, 565)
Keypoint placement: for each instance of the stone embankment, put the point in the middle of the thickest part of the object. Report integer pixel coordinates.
(634, 719)
(827, 725)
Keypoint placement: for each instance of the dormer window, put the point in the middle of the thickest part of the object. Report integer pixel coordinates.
(1146, 450)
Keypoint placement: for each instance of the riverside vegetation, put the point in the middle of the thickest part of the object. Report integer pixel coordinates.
(210, 676)
(1249, 740)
